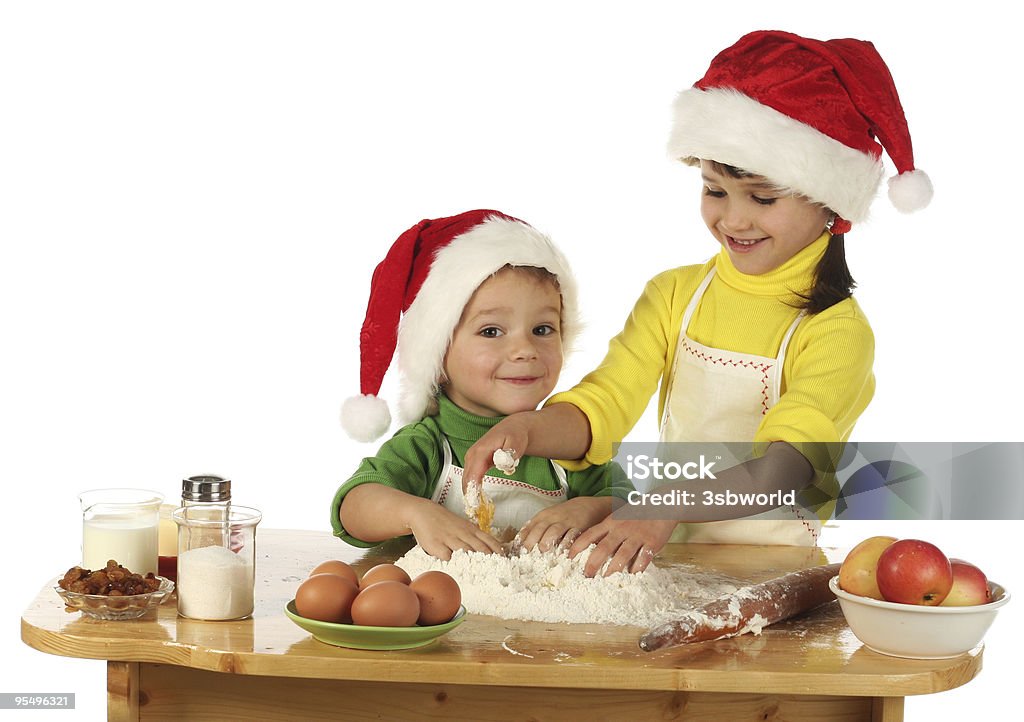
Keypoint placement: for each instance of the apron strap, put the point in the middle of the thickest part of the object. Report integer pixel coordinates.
(446, 463)
(781, 358)
(560, 475)
(694, 300)
(446, 467)
(684, 326)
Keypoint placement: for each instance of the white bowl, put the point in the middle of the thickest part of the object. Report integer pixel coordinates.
(918, 632)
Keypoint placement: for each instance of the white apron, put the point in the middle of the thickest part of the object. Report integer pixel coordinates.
(716, 395)
(515, 502)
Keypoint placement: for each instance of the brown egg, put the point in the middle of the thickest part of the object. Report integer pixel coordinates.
(440, 597)
(384, 572)
(340, 568)
(386, 604)
(326, 597)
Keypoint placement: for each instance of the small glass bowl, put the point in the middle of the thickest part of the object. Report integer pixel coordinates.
(102, 606)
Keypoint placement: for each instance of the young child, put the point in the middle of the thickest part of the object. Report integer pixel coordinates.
(487, 307)
(764, 343)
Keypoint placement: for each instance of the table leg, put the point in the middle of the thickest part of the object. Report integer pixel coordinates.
(887, 709)
(122, 691)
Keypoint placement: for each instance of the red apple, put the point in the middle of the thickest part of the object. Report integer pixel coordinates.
(857, 573)
(969, 586)
(912, 571)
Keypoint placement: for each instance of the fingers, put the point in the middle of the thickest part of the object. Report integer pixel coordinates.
(490, 545)
(612, 553)
(555, 535)
(444, 551)
(545, 536)
(591, 536)
(480, 457)
(643, 559)
(530, 534)
(458, 534)
(471, 471)
(478, 541)
(631, 557)
(471, 481)
(438, 551)
(595, 561)
(566, 541)
(509, 437)
(617, 549)
(506, 460)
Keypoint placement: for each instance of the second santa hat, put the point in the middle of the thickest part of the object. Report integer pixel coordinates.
(417, 296)
(810, 115)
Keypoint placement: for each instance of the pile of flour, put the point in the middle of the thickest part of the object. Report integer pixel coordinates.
(550, 587)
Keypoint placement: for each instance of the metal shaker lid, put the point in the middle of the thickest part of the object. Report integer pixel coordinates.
(206, 488)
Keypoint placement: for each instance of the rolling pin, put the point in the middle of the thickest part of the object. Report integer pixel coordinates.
(747, 609)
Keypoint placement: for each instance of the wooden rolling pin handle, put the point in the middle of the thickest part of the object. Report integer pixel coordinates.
(732, 614)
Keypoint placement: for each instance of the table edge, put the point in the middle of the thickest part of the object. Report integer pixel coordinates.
(393, 667)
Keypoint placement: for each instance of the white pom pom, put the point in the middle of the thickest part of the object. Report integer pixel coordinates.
(911, 191)
(365, 417)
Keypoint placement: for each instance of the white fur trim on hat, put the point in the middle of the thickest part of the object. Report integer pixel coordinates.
(457, 271)
(365, 417)
(724, 125)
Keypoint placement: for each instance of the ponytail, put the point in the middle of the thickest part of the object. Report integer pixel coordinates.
(832, 280)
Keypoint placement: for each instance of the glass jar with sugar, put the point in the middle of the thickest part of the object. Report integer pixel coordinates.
(216, 563)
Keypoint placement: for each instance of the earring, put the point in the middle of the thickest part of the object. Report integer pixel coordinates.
(830, 222)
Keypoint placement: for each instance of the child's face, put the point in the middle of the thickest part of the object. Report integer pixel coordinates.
(761, 228)
(506, 352)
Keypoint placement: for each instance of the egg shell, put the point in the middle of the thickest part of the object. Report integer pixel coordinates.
(440, 597)
(326, 598)
(386, 604)
(335, 566)
(384, 572)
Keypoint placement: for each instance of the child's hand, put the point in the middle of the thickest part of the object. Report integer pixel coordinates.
(561, 524)
(440, 532)
(630, 544)
(511, 433)
(558, 431)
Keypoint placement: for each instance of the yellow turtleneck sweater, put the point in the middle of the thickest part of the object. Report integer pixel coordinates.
(827, 380)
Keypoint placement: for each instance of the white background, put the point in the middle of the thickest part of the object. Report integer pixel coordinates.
(193, 197)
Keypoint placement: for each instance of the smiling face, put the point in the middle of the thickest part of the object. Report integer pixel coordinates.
(760, 226)
(506, 352)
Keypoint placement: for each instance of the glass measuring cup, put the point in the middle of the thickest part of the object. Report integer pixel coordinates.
(120, 524)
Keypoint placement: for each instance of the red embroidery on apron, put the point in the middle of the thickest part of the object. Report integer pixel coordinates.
(763, 368)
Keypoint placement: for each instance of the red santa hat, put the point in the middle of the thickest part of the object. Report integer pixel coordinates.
(810, 115)
(417, 296)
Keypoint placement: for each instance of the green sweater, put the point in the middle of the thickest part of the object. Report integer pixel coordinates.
(411, 461)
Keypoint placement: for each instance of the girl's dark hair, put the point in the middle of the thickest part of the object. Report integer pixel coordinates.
(832, 279)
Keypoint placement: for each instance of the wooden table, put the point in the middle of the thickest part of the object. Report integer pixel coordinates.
(166, 667)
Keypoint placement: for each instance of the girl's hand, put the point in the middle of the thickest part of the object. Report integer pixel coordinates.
(629, 544)
(561, 524)
(440, 532)
(511, 433)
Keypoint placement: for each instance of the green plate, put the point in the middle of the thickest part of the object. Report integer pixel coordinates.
(355, 636)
